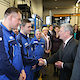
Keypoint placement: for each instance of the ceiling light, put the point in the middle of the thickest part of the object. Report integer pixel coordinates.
(78, 1)
(55, 0)
(56, 7)
(76, 4)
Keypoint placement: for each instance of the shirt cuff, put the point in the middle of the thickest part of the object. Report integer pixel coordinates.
(62, 65)
(45, 62)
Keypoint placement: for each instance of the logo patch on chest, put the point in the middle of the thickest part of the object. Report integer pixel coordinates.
(11, 37)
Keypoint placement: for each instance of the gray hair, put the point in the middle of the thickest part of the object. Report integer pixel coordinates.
(68, 27)
(37, 30)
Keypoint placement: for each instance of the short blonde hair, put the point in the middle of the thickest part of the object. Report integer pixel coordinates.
(45, 28)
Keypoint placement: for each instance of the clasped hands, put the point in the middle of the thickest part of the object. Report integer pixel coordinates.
(58, 64)
(22, 76)
(41, 62)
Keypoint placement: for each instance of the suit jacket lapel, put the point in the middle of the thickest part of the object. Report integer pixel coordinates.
(65, 49)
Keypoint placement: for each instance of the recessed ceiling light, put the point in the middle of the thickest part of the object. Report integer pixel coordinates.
(55, 0)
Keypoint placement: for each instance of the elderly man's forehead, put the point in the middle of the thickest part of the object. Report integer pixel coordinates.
(38, 32)
(62, 28)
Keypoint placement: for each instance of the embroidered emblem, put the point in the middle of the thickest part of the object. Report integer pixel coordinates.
(26, 44)
(11, 37)
(42, 46)
(35, 42)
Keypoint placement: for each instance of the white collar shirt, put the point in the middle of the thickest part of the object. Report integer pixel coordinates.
(67, 40)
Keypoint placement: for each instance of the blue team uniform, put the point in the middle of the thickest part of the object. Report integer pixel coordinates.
(26, 54)
(10, 56)
(38, 49)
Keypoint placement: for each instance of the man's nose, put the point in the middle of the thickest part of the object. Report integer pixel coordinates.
(19, 21)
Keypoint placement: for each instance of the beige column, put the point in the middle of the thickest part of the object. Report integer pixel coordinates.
(37, 7)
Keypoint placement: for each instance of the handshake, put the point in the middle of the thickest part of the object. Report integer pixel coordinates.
(42, 62)
(58, 64)
(23, 74)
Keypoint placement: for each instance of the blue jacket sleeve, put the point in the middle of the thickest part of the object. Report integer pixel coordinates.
(7, 68)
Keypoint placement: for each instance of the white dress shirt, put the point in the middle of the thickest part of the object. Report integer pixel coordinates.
(67, 40)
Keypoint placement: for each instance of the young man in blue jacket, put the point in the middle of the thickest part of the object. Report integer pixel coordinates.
(26, 51)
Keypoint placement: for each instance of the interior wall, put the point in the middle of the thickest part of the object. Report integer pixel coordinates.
(73, 20)
(4, 4)
(37, 7)
(24, 2)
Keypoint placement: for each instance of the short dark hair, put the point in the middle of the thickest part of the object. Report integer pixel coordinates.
(57, 26)
(11, 10)
(50, 25)
(24, 21)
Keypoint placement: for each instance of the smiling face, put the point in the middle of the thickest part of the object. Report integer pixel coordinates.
(51, 28)
(64, 35)
(27, 28)
(45, 32)
(57, 29)
(38, 35)
(61, 33)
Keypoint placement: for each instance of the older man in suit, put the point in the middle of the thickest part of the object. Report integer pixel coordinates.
(65, 56)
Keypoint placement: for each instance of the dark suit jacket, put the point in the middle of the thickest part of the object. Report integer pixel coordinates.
(76, 68)
(67, 56)
(51, 38)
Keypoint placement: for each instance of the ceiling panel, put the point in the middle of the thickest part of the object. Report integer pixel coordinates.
(52, 4)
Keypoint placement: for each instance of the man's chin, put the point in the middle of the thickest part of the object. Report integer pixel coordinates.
(14, 28)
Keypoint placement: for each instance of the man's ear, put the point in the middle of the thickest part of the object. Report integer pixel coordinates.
(22, 27)
(67, 32)
(10, 17)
